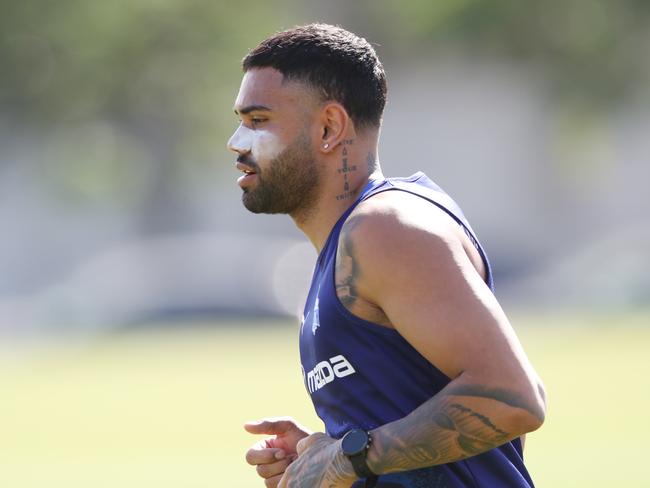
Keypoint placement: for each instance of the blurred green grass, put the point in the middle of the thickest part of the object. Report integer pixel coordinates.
(164, 407)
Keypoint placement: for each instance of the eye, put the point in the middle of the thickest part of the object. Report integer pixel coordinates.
(258, 120)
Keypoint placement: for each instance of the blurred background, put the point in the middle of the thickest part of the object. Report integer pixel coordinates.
(141, 305)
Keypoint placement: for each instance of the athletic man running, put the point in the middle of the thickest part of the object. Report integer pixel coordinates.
(409, 359)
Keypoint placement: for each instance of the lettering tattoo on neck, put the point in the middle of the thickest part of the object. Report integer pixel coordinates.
(345, 169)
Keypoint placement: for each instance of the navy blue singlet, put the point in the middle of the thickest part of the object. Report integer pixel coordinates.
(362, 375)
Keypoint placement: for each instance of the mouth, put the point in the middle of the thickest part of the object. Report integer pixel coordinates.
(247, 170)
(249, 174)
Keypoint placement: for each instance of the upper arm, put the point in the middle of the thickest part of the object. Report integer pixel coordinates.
(411, 262)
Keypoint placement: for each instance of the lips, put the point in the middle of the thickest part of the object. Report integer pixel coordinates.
(250, 174)
(246, 169)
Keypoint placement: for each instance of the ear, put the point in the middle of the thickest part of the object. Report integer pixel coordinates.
(335, 124)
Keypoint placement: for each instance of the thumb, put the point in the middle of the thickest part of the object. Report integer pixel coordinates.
(272, 426)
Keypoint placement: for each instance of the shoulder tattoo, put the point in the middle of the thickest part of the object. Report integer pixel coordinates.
(347, 267)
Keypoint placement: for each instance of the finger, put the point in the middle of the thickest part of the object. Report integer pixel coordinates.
(273, 482)
(307, 442)
(273, 469)
(284, 482)
(302, 445)
(274, 426)
(255, 455)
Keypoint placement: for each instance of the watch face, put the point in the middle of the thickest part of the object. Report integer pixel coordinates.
(354, 442)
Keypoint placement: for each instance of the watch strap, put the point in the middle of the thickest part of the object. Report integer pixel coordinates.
(360, 465)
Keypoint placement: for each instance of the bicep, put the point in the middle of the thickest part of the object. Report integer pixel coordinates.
(434, 297)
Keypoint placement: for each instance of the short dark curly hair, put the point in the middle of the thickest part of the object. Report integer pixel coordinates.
(339, 64)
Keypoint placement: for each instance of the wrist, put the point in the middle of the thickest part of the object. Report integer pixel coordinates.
(346, 470)
(355, 445)
(372, 459)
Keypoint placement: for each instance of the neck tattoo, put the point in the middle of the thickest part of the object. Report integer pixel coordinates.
(345, 169)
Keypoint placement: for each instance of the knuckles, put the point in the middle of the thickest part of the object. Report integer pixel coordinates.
(311, 440)
(284, 473)
(268, 470)
(273, 469)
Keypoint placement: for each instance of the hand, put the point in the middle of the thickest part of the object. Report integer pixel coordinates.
(272, 456)
(320, 464)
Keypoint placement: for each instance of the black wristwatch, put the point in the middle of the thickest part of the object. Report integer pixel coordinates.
(355, 445)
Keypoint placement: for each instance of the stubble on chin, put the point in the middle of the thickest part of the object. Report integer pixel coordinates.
(288, 184)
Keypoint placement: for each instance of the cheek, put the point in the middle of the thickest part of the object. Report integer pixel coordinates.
(266, 146)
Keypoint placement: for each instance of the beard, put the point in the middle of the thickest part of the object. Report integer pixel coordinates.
(289, 183)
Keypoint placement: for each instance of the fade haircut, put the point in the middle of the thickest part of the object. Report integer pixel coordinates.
(338, 64)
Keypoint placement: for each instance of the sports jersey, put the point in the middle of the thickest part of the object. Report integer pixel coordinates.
(362, 375)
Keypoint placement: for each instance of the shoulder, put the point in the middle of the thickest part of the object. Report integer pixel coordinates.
(396, 242)
(397, 228)
(394, 220)
(410, 259)
(384, 242)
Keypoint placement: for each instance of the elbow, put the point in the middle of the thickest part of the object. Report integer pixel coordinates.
(529, 422)
(541, 403)
(532, 415)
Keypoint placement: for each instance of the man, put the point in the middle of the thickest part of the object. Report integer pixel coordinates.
(408, 358)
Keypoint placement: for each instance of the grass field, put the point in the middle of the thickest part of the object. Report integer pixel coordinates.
(164, 408)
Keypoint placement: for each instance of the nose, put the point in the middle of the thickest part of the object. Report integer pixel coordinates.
(240, 141)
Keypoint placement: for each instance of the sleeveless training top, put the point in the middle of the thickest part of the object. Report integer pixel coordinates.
(362, 375)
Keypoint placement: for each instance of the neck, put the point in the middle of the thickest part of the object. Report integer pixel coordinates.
(345, 172)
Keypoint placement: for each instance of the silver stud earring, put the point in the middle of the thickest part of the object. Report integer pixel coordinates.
(326, 146)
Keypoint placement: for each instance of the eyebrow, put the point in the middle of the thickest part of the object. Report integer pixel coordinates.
(252, 108)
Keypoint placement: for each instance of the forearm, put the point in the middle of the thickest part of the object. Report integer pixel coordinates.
(461, 421)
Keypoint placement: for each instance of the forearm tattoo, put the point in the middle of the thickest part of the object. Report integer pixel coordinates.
(451, 426)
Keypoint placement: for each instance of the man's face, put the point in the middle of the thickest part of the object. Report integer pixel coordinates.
(273, 143)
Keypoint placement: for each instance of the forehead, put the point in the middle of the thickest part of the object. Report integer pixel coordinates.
(265, 87)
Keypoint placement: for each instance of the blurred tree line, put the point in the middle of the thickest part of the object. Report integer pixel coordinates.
(128, 95)
(596, 49)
